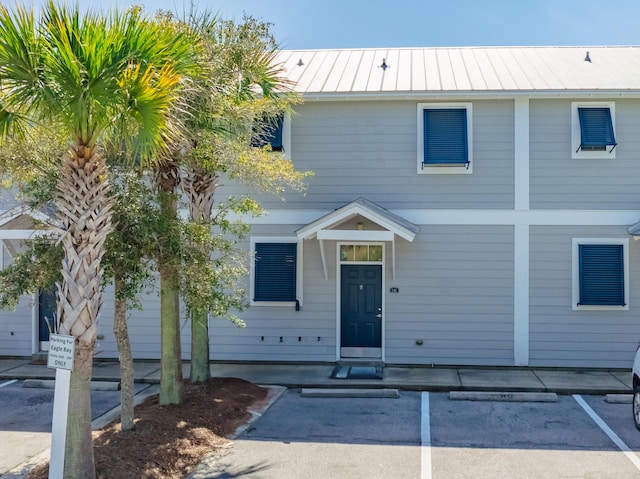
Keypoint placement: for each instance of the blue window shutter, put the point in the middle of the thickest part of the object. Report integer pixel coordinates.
(275, 272)
(601, 274)
(596, 128)
(272, 135)
(445, 136)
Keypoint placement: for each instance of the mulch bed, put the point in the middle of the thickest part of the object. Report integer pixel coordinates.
(169, 441)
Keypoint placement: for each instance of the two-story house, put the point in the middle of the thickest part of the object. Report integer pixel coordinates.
(469, 206)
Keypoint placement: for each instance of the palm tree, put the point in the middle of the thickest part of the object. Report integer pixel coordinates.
(167, 179)
(91, 76)
(242, 91)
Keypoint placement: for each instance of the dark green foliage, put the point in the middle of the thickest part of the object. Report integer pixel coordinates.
(129, 246)
(214, 264)
(36, 268)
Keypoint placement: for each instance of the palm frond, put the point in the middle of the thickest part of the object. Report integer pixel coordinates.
(12, 125)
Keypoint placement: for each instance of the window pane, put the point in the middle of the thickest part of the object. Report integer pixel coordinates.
(271, 134)
(375, 253)
(346, 252)
(362, 252)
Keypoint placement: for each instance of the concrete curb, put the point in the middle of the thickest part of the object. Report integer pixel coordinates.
(619, 398)
(21, 470)
(349, 393)
(502, 396)
(273, 395)
(114, 414)
(209, 463)
(51, 384)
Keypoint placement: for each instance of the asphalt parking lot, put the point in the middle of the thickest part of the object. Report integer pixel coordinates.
(396, 438)
(25, 420)
(418, 435)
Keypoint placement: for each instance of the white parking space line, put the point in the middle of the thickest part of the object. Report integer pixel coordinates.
(425, 439)
(8, 383)
(608, 431)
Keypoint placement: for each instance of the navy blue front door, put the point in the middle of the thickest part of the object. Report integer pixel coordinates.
(361, 311)
(46, 311)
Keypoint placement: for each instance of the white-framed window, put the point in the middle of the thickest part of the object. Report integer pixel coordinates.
(361, 252)
(276, 271)
(593, 130)
(600, 273)
(445, 138)
(286, 136)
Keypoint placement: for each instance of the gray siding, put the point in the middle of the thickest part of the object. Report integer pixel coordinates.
(560, 182)
(15, 326)
(143, 325)
(456, 294)
(560, 336)
(456, 282)
(228, 342)
(15, 329)
(307, 335)
(370, 149)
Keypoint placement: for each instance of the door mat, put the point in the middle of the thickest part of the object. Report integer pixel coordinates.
(357, 372)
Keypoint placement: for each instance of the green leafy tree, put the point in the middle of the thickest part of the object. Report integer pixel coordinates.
(239, 96)
(127, 263)
(88, 77)
(36, 268)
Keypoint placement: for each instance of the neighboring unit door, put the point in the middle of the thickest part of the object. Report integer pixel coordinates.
(46, 312)
(361, 311)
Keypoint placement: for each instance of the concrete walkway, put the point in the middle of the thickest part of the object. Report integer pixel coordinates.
(561, 381)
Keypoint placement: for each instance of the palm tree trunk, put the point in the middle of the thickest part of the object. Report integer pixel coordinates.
(84, 210)
(167, 179)
(121, 333)
(78, 457)
(200, 370)
(171, 361)
(200, 186)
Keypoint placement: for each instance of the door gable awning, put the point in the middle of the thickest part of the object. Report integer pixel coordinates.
(22, 223)
(388, 224)
(360, 220)
(634, 230)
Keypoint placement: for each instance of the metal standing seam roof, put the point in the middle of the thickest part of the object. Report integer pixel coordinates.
(464, 69)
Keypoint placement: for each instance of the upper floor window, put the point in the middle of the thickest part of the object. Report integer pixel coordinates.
(601, 273)
(592, 129)
(271, 134)
(444, 138)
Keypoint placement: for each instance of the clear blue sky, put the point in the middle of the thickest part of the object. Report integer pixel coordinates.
(422, 23)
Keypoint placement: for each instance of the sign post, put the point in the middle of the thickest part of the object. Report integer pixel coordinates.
(61, 354)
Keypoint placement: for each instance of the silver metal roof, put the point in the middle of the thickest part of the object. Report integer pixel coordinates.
(469, 69)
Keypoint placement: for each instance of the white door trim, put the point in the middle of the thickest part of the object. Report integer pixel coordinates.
(339, 295)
